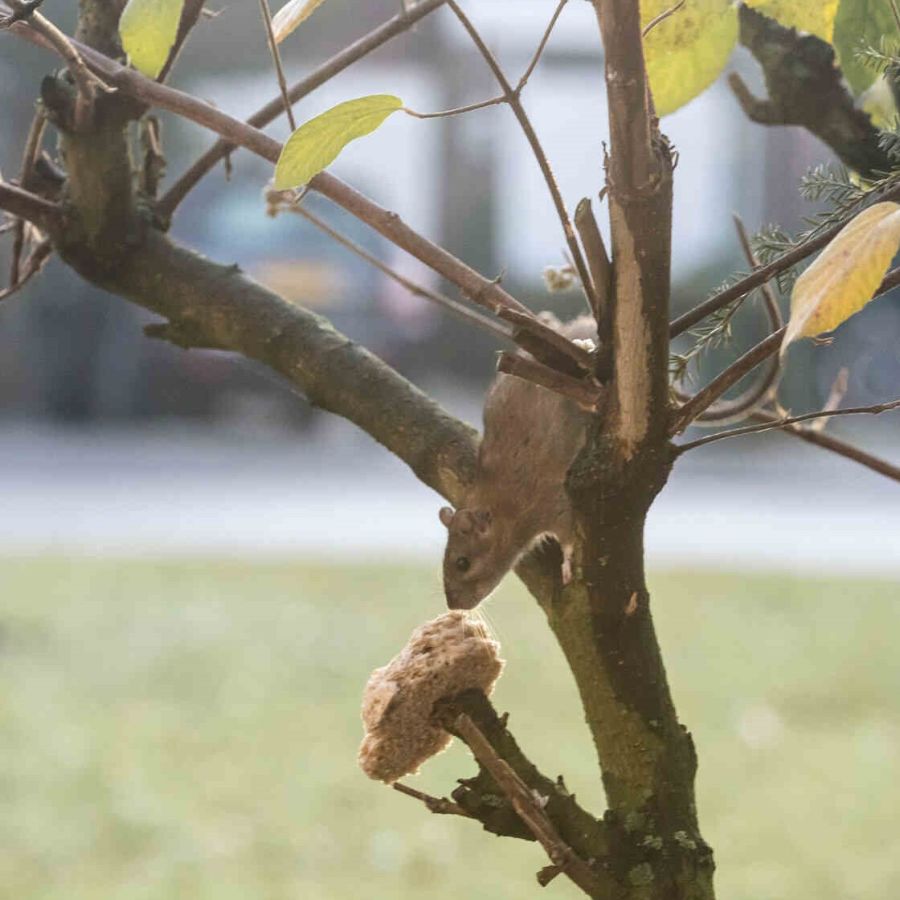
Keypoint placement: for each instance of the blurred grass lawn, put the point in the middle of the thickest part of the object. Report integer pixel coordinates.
(174, 730)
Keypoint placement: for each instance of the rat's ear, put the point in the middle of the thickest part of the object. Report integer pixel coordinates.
(446, 516)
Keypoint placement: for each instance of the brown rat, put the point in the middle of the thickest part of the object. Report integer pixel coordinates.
(531, 436)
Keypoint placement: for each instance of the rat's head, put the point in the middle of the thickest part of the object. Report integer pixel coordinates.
(471, 565)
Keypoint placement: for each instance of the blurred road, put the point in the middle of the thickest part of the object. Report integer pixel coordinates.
(183, 491)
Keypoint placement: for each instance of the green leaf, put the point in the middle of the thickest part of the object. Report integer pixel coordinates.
(861, 23)
(687, 51)
(846, 273)
(317, 143)
(291, 16)
(815, 16)
(148, 29)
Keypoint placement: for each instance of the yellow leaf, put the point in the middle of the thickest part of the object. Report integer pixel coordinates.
(148, 29)
(846, 274)
(686, 52)
(291, 15)
(815, 16)
(317, 143)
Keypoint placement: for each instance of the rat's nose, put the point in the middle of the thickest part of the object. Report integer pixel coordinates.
(455, 600)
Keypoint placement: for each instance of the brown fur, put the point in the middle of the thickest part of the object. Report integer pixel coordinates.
(531, 436)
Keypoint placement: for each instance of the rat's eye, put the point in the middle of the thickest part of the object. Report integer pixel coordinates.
(463, 563)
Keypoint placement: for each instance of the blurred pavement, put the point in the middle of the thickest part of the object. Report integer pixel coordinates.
(184, 491)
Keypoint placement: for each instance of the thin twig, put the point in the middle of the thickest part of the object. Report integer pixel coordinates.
(279, 202)
(276, 58)
(29, 206)
(86, 81)
(528, 807)
(33, 264)
(29, 154)
(540, 50)
(494, 101)
(190, 14)
(599, 265)
(787, 421)
(661, 18)
(726, 379)
(439, 805)
(480, 290)
(757, 395)
(746, 363)
(268, 113)
(835, 445)
(766, 273)
(587, 395)
(513, 99)
(835, 396)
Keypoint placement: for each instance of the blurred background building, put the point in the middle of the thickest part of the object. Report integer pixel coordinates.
(76, 369)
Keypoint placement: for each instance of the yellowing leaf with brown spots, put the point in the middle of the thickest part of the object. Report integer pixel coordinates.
(815, 16)
(687, 51)
(846, 274)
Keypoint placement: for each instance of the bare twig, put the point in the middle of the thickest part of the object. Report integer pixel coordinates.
(835, 445)
(276, 59)
(705, 397)
(529, 808)
(439, 805)
(599, 265)
(835, 397)
(29, 154)
(766, 273)
(283, 200)
(758, 394)
(190, 14)
(746, 363)
(266, 114)
(26, 205)
(33, 264)
(540, 50)
(587, 395)
(471, 107)
(786, 421)
(513, 99)
(86, 81)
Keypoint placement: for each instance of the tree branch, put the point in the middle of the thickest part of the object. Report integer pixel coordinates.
(477, 288)
(274, 108)
(640, 204)
(786, 421)
(587, 395)
(529, 809)
(835, 445)
(190, 14)
(805, 88)
(220, 307)
(46, 215)
(512, 96)
(705, 397)
(439, 805)
(485, 796)
(286, 200)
